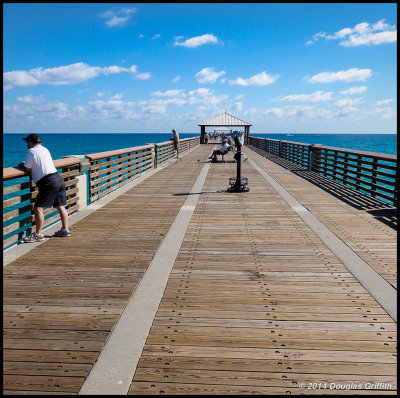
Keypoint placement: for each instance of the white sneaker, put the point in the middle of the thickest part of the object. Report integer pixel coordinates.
(34, 238)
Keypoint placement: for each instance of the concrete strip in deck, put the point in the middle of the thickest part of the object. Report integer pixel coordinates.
(112, 373)
(381, 290)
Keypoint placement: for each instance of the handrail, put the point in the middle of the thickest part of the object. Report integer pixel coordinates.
(371, 173)
(14, 172)
(383, 156)
(377, 155)
(102, 155)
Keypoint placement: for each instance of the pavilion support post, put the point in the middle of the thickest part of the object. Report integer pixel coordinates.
(246, 134)
(202, 132)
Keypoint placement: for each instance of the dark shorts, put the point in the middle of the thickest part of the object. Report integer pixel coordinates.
(51, 191)
(175, 142)
(221, 153)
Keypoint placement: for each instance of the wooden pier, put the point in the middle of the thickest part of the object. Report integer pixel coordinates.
(256, 302)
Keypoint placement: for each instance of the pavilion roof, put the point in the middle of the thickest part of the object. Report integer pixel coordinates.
(224, 120)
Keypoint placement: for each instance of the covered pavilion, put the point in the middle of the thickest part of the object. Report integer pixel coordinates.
(225, 120)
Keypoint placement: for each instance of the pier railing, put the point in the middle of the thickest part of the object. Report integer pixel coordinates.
(165, 150)
(107, 171)
(369, 172)
(110, 170)
(19, 193)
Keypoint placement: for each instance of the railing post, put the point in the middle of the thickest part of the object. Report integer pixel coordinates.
(83, 183)
(312, 165)
(155, 156)
(335, 155)
(32, 189)
(374, 176)
(358, 173)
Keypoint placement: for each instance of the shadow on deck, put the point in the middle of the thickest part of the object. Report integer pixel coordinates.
(381, 211)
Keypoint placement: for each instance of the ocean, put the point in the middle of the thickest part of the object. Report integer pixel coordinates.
(59, 145)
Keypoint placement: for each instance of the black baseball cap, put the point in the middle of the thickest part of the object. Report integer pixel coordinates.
(33, 138)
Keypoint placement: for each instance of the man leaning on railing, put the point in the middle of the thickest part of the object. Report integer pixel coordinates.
(52, 191)
(175, 140)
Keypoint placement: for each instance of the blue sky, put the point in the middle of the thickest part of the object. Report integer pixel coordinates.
(135, 68)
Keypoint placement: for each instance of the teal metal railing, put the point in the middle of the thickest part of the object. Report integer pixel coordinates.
(374, 174)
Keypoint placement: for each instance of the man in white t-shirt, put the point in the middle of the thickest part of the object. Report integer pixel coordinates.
(221, 151)
(51, 186)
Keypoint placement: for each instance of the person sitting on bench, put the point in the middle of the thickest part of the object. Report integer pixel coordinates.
(221, 151)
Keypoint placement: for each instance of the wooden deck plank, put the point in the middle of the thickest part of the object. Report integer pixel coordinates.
(151, 388)
(271, 342)
(242, 378)
(267, 365)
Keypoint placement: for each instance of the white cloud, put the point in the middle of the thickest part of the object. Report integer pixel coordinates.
(318, 96)
(196, 41)
(201, 92)
(236, 107)
(30, 99)
(348, 102)
(143, 76)
(62, 75)
(384, 102)
(275, 112)
(350, 75)
(206, 97)
(386, 113)
(261, 79)
(362, 34)
(370, 38)
(118, 18)
(383, 113)
(18, 78)
(355, 90)
(157, 36)
(169, 93)
(176, 79)
(132, 69)
(31, 108)
(207, 75)
(108, 110)
(116, 96)
(154, 109)
(298, 112)
(141, 36)
(170, 101)
(345, 112)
